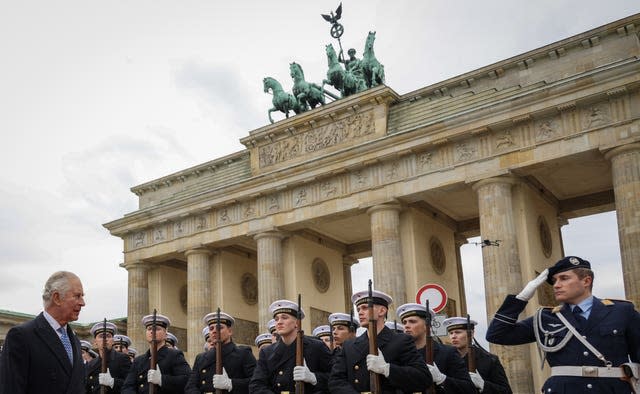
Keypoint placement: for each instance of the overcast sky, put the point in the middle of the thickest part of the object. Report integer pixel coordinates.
(96, 97)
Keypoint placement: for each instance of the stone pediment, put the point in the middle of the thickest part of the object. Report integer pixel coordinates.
(333, 127)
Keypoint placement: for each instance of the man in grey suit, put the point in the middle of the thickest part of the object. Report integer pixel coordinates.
(44, 355)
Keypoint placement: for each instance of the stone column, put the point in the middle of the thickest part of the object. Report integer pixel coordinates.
(137, 302)
(347, 262)
(198, 297)
(388, 269)
(270, 274)
(459, 241)
(502, 270)
(625, 168)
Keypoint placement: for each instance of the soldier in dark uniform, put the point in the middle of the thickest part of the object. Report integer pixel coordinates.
(132, 353)
(118, 364)
(238, 361)
(87, 353)
(276, 370)
(323, 333)
(263, 340)
(448, 371)
(272, 330)
(172, 370)
(171, 341)
(489, 377)
(121, 343)
(343, 327)
(398, 363)
(610, 329)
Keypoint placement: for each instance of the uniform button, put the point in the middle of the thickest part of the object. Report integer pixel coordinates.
(357, 367)
(141, 385)
(548, 390)
(140, 377)
(278, 384)
(204, 371)
(589, 386)
(615, 331)
(586, 353)
(91, 377)
(356, 381)
(280, 373)
(204, 382)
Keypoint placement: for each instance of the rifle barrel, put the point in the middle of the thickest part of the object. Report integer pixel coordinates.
(374, 378)
(153, 350)
(299, 346)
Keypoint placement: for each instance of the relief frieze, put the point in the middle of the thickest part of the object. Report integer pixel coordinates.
(546, 129)
(595, 115)
(315, 140)
(504, 140)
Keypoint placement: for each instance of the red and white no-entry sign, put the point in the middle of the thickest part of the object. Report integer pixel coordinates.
(436, 295)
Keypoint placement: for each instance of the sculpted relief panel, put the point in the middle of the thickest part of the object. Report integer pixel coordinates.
(314, 140)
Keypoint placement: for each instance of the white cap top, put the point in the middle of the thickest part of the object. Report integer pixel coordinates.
(285, 306)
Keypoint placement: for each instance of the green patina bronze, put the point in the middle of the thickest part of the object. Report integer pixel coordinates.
(282, 101)
(355, 76)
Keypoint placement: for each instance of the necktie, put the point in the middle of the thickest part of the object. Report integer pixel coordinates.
(579, 319)
(66, 343)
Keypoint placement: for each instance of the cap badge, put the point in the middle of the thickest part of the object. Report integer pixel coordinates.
(574, 261)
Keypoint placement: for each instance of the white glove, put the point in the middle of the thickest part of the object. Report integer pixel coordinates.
(477, 380)
(155, 376)
(377, 364)
(303, 374)
(437, 376)
(530, 288)
(222, 382)
(105, 379)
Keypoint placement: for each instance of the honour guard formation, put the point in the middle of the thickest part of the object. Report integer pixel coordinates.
(591, 344)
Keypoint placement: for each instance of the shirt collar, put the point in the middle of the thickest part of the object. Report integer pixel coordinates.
(586, 304)
(52, 322)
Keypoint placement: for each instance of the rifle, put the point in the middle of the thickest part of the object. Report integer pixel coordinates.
(471, 352)
(218, 350)
(103, 360)
(153, 350)
(299, 347)
(429, 343)
(374, 378)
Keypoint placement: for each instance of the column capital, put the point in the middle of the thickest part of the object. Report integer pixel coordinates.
(460, 240)
(622, 149)
(349, 260)
(270, 234)
(137, 264)
(510, 180)
(391, 206)
(199, 250)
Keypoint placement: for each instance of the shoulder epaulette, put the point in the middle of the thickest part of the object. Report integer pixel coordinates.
(610, 301)
(556, 309)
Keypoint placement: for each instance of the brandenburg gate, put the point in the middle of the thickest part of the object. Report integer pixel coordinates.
(509, 151)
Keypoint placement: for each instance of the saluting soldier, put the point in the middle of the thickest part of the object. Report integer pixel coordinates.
(118, 364)
(585, 339)
(448, 372)
(343, 327)
(323, 333)
(276, 370)
(489, 377)
(238, 361)
(171, 372)
(263, 340)
(398, 363)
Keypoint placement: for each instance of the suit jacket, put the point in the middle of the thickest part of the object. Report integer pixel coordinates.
(489, 367)
(613, 328)
(407, 372)
(34, 361)
(119, 365)
(451, 364)
(238, 361)
(173, 367)
(274, 370)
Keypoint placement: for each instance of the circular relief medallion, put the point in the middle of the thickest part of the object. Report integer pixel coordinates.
(183, 298)
(321, 275)
(249, 286)
(545, 237)
(438, 259)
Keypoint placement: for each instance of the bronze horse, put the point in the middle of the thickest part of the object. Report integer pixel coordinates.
(282, 101)
(371, 67)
